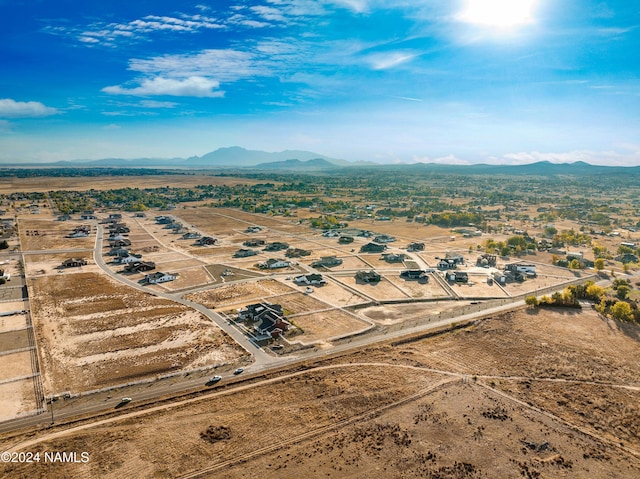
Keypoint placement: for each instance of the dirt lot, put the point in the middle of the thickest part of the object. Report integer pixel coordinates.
(381, 291)
(51, 235)
(93, 333)
(534, 395)
(334, 294)
(415, 289)
(325, 325)
(240, 293)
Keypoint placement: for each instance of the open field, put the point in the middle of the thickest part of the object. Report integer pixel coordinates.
(334, 294)
(327, 324)
(93, 333)
(384, 290)
(51, 235)
(415, 289)
(452, 406)
(247, 293)
(43, 184)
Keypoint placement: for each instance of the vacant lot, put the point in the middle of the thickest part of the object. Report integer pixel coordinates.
(92, 333)
(326, 324)
(44, 234)
(384, 412)
(240, 293)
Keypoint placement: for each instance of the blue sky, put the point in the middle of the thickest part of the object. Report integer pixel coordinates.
(456, 81)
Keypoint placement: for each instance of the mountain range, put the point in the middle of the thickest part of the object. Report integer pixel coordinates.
(236, 157)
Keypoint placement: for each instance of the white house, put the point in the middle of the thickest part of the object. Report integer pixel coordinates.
(275, 264)
(159, 277)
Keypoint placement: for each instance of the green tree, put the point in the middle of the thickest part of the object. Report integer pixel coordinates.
(622, 292)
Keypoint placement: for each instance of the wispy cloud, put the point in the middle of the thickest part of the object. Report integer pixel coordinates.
(24, 109)
(194, 86)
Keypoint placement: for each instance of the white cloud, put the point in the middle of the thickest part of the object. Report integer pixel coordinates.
(223, 65)
(193, 86)
(24, 109)
(384, 61)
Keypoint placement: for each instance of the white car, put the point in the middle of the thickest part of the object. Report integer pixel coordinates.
(215, 379)
(125, 400)
(238, 371)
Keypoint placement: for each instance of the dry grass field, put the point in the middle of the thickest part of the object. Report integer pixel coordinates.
(92, 333)
(535, 395)
(43, 184)
(51, 235)
(322, 326)
(241, 293)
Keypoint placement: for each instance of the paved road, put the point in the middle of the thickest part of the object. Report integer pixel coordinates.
(147, 391)
(261, 357)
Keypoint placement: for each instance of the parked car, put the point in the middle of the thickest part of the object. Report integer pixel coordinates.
(215, 379)
(125, 400)
(238, 371)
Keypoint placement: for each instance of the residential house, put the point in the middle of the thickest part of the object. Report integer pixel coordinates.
(327, 262)
(252, 243)
(526, 269)
(394, 257)
(191, 235)
(415, 275)
(78, 234)
(415, 247)
(132, 258)
(276, 246)
(368, 277)
(159, 277)
(274, 264)
(458, 277)
(243, 253)
(384, 239)
(206, 241)
(74, 262)
(296, 253)
(88, 215)
(310, 280)
(373, 248)
(253, 229)
(345, 239)
(164, 220)
(64, 217)
(487, 260)
(119, 242)
(118, 252)
(140, 266)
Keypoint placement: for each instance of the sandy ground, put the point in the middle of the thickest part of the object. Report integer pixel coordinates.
(383, 290)
(334, 294)
(536, 395)
(51, 235)
(245, 293)
(10, 323)
(418, 290)
(16, 397)
(93, 333)
(324, 325)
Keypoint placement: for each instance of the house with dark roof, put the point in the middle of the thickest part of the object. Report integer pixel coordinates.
(276, 246)
(415, 275)
(373, 248)
(244, 253)
(327, 262)
(252, 243)
(394, 257)
(74, 262)
(313, 279)
(415, 247)
(368, 277)
(206, 241)
(140, 267)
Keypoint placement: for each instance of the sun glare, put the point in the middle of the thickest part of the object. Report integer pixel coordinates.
(499, 13)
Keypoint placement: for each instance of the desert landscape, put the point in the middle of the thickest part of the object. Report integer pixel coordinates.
(539, 394)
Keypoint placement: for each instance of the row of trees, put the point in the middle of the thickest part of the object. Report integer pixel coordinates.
(618, 306)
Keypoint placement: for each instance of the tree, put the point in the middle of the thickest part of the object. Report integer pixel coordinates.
(599, 264)
(4, 244)
(622, 292)
(574, 264)
(621, 311)
(594, 292)
(532, 301)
